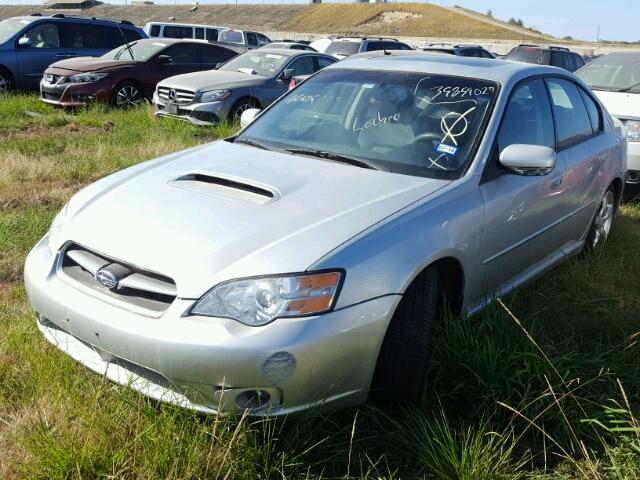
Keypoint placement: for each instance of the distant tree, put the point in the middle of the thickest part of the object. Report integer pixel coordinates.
(489, 13)
(568, 37)
(512, 21)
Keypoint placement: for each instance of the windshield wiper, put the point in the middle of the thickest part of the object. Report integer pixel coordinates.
(630, 87)
(251, 143)
(336, 157)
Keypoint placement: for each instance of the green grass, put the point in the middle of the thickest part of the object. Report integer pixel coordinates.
(544, 386)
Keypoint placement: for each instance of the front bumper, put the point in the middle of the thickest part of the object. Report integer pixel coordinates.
(210, 113)
(208, 364)
(73, 94)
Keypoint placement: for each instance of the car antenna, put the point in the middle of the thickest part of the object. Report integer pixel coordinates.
(125, 39)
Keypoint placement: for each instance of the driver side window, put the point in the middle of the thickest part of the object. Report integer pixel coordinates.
(43, 35)
(527, 119)
(302, 66)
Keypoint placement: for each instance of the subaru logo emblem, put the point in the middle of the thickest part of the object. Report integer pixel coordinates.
(172, 95)
(107, 279)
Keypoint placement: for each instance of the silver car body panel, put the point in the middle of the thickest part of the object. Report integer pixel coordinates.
(382, 228)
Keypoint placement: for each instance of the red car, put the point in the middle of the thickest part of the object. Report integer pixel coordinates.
(128, 75)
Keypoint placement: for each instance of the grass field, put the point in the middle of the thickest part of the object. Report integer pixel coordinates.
(544, 386)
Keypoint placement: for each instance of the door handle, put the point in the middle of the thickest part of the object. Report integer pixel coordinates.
(556, 182)
(65, 55)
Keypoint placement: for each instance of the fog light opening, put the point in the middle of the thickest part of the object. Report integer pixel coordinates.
(633, 176)
(253, 400)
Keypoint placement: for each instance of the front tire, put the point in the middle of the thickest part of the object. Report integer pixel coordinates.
(240, 106)
(601, 226)
(5, 83)
(406, 350)
(127, 95)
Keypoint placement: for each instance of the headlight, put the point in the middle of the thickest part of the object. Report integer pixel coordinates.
(56, 228)
(214, 95)
(86, 77)
(258, 301)
(633, 130)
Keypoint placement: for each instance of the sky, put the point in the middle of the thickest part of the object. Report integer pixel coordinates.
(617, 19)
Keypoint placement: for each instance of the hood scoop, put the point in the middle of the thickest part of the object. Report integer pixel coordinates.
(237, 189)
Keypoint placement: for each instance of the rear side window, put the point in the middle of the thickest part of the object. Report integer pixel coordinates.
(572, 119)
(90, 36)
(528, 119)
(214, 54)
(199, 33)
(526, 54)
(373, 46)
(171, 31)
(595, 115)
(231, 36)
(579, 61)
(212, 34)
(262, 40)
(558, 59)
(130, 35)
(155, 31)
(324, 62)
(252, 39)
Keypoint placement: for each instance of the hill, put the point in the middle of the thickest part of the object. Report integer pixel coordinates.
(397, 19)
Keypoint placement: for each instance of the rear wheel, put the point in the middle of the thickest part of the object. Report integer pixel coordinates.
(127, 95)
(601, 226)
(406, 350)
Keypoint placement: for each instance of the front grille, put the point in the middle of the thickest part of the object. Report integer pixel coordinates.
(175, 95)
(118, 280)
(51, 96)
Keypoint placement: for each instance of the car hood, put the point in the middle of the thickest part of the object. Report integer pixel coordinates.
(623, 105)
(90, 64)
(213, 79)
(163, 217)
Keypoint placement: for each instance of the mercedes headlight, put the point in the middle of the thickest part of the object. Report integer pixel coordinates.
(258, 301)
(633, 130)
(56, 228)
(214, 95)
(86, 77)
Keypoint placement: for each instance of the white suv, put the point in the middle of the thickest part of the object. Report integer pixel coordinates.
(344, 46)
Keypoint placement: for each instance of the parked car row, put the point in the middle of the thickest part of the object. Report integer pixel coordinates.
(30, 44)
(304, 262)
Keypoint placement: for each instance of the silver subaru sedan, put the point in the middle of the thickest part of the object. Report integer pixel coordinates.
(304, 262)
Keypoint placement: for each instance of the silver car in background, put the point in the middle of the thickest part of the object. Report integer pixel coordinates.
(251, 80)
(304, 262)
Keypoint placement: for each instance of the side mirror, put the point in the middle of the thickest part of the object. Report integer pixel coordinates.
(25, 42)
(164, 59)
(287, 74)
(528, 159)
(248, 116)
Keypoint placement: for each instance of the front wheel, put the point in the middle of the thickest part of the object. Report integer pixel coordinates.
(5, 83)
(127, 95)
(601, 226)
(406, 350)
(241, 106)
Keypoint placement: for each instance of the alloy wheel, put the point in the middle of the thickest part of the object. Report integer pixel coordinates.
(604, 219)
(241, 108)
(128, 96)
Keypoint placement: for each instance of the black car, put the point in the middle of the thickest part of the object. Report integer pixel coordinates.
(460, 50)
(555, 56)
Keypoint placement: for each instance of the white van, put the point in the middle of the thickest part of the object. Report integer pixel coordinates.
(615, 79)
(246, 38)
(183, 30)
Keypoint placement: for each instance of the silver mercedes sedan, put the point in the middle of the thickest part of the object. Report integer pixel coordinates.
(304, 262)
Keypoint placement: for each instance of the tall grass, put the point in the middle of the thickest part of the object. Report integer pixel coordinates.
(544, 385)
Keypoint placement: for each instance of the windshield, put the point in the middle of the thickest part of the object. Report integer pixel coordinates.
(525, 54)
(403, 122)
(10, 26)
(140, 51)
(616, 71)
(231, 36)
(256, 63)
(343, 48)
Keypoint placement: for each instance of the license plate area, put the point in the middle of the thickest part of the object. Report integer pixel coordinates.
(171, 108)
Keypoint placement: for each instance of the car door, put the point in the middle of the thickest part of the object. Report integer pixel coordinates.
(584, 150)
(303, 65)
(43, 48)
(185, 58)
(84, 39)
(524, 214)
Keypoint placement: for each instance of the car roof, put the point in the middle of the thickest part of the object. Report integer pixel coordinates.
(171, 41)
(64, 17)
(288, 51)
(484, 68)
